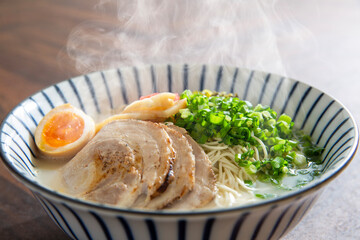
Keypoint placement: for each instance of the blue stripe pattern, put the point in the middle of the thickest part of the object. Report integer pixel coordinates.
(83, 226)
(327, 125)
(278, 221)
(153, 79)
(339, 148)
(261, 222)
(49, 212)
(208, 228)
(218, 78)
(38, 106)
(292, 218)
(29, 115)
(311, 202)
(27, 144)
(337, 158)
(267, 78)
(337, 141)
(202, 78)
(123, 88)
(92, 92)
(62, 217)
(334, 132)
(186, 77)
(76, 92)
(48, 99)
(276, 92)
(26, 164)
(181, 229)
(236, 229)
(137, 80)
(60, 93)
(234, 80)
(107, 91)
(25, 126)
(326, 120)
(320, 117)
(16, 164)
(102, 224)
(248, 85)
(152, 229)
(301, 102)
(289, 96)
(169, 76)
(311, 110)
(126, 227)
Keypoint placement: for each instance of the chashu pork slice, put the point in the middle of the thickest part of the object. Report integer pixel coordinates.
(152, 145)
(105, 171)
(184, 172)
(150, 149)
(204, 189)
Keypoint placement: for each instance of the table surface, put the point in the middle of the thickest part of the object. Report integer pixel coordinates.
(316, 42)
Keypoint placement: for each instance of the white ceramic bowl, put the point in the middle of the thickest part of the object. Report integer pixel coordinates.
(325, 119)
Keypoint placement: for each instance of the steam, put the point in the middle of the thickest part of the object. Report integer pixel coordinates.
(129, 32)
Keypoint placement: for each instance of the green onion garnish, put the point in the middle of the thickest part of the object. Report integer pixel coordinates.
(210, 115)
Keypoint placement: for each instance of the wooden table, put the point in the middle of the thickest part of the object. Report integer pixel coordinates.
(33, 35)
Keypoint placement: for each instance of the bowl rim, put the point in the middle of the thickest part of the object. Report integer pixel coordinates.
(297, 194)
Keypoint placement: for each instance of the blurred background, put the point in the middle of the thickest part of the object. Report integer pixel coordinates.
(314, 41)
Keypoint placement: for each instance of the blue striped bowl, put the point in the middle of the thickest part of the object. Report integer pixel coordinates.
(325, 119)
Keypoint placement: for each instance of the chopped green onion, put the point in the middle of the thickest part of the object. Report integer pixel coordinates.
(212, 115)
(265, 195)
(285, 118)
(300, 160)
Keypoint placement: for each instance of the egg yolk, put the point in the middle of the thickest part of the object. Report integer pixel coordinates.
(63, 128)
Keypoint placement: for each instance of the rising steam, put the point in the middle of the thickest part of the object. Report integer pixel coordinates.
(133, 32)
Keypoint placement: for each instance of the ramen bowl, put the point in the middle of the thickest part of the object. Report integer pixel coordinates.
(101, 93)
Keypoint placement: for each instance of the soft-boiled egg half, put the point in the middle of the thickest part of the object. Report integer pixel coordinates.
(63, 132)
